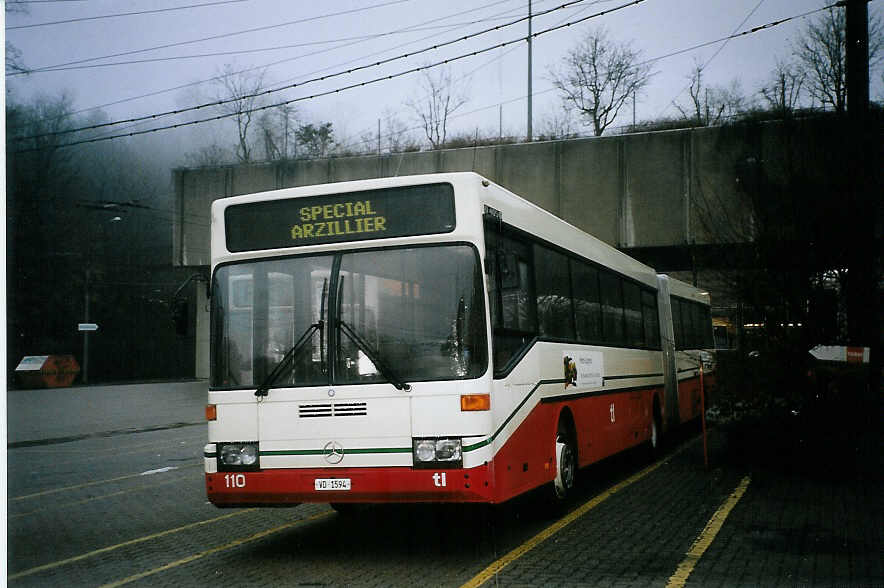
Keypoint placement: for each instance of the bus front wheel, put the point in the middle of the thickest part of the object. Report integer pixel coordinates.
(566, 467)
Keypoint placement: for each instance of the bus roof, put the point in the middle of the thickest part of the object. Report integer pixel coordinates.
(685, 290)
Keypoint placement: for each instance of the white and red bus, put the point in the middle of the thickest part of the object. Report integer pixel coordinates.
(431, 338)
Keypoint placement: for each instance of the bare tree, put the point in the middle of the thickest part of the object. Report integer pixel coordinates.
(441, 99)
(239, 92)
(598, 76)
(558, 124)
(821, 51)
(209, 155)
(14, 62)
(711, 105)
(392, 135)
(782, 93)
(277, 128)
(396, 135)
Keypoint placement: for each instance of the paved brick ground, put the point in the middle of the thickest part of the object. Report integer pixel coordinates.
(791, 528)
(812, 516)
(57, 413)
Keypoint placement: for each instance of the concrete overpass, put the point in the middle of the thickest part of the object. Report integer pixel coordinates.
(664, 197)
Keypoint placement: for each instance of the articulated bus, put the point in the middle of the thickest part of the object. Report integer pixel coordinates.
(431, 338)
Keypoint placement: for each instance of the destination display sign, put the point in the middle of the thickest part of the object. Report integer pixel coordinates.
(335, 218)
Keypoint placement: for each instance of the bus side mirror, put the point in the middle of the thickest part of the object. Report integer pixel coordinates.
(180, 316)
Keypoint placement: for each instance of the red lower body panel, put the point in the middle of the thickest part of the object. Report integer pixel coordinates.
(604, 425)
(381, 484)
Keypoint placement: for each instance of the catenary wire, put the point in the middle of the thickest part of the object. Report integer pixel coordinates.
(216, 37)
(359, 38)
(417, 27)
(714, 55)
(429, 66)
(321, 78)
(463, 77)
(121, 14)
(263, 66)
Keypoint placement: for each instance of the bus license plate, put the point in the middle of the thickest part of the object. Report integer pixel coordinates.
(332, 484)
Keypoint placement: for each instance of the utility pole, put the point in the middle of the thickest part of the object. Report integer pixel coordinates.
(864, 260)
(529, 134)
(857, 25)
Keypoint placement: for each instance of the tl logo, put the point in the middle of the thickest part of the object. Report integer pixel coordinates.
(439, 479)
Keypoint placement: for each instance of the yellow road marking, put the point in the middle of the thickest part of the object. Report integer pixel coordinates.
(707, 536)
(530, 544)
(94, 483)
(224, 547)
(69, 560)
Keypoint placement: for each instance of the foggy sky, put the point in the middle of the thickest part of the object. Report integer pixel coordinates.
(656, 27)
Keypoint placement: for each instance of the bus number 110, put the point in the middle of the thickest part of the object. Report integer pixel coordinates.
(235, 480)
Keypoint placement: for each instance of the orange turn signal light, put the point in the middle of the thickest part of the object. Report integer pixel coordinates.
(475, 402)
(211, 412)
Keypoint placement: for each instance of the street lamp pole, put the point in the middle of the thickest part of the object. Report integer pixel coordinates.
(86, 332)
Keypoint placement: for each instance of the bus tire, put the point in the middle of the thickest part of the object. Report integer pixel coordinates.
(347, 509)
(656, 437)
(566, 467)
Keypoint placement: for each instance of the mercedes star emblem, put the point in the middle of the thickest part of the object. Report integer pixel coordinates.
(334, 452)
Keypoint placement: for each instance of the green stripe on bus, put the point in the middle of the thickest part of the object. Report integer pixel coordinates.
(490, 439)
(346, 451)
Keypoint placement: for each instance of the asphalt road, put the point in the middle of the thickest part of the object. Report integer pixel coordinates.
(126, 505)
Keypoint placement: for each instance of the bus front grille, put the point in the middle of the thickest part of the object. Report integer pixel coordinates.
(338, 409)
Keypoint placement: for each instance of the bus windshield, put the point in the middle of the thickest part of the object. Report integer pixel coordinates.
(419, 311)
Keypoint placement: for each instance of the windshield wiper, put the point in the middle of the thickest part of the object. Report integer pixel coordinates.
(264, 388)
(375, 358)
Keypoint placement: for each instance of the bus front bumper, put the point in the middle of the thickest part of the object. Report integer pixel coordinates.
(281, 487)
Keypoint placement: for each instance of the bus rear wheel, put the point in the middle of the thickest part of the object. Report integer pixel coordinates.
(656, 436)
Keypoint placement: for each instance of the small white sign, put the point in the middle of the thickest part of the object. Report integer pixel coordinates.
(32, 363)
(583, 369)
(841, 353)
(87, 327)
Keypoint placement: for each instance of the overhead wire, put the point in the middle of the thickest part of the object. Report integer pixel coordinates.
(220, 36)
(359, 38)
(466, 75)
(121, 14)
(714, 55)
(267, 65)
(417, 27)
(290, 86)
(443, 62)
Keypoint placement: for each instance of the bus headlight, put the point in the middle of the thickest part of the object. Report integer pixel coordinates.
(437, 453)
(237, 456)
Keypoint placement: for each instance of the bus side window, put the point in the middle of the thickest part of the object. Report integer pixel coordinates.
(678, 331)
(632, 313)
(587, 310)
(612, 308)
(511, 294)
(651, 320)
(553, 285)
(517, 292)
